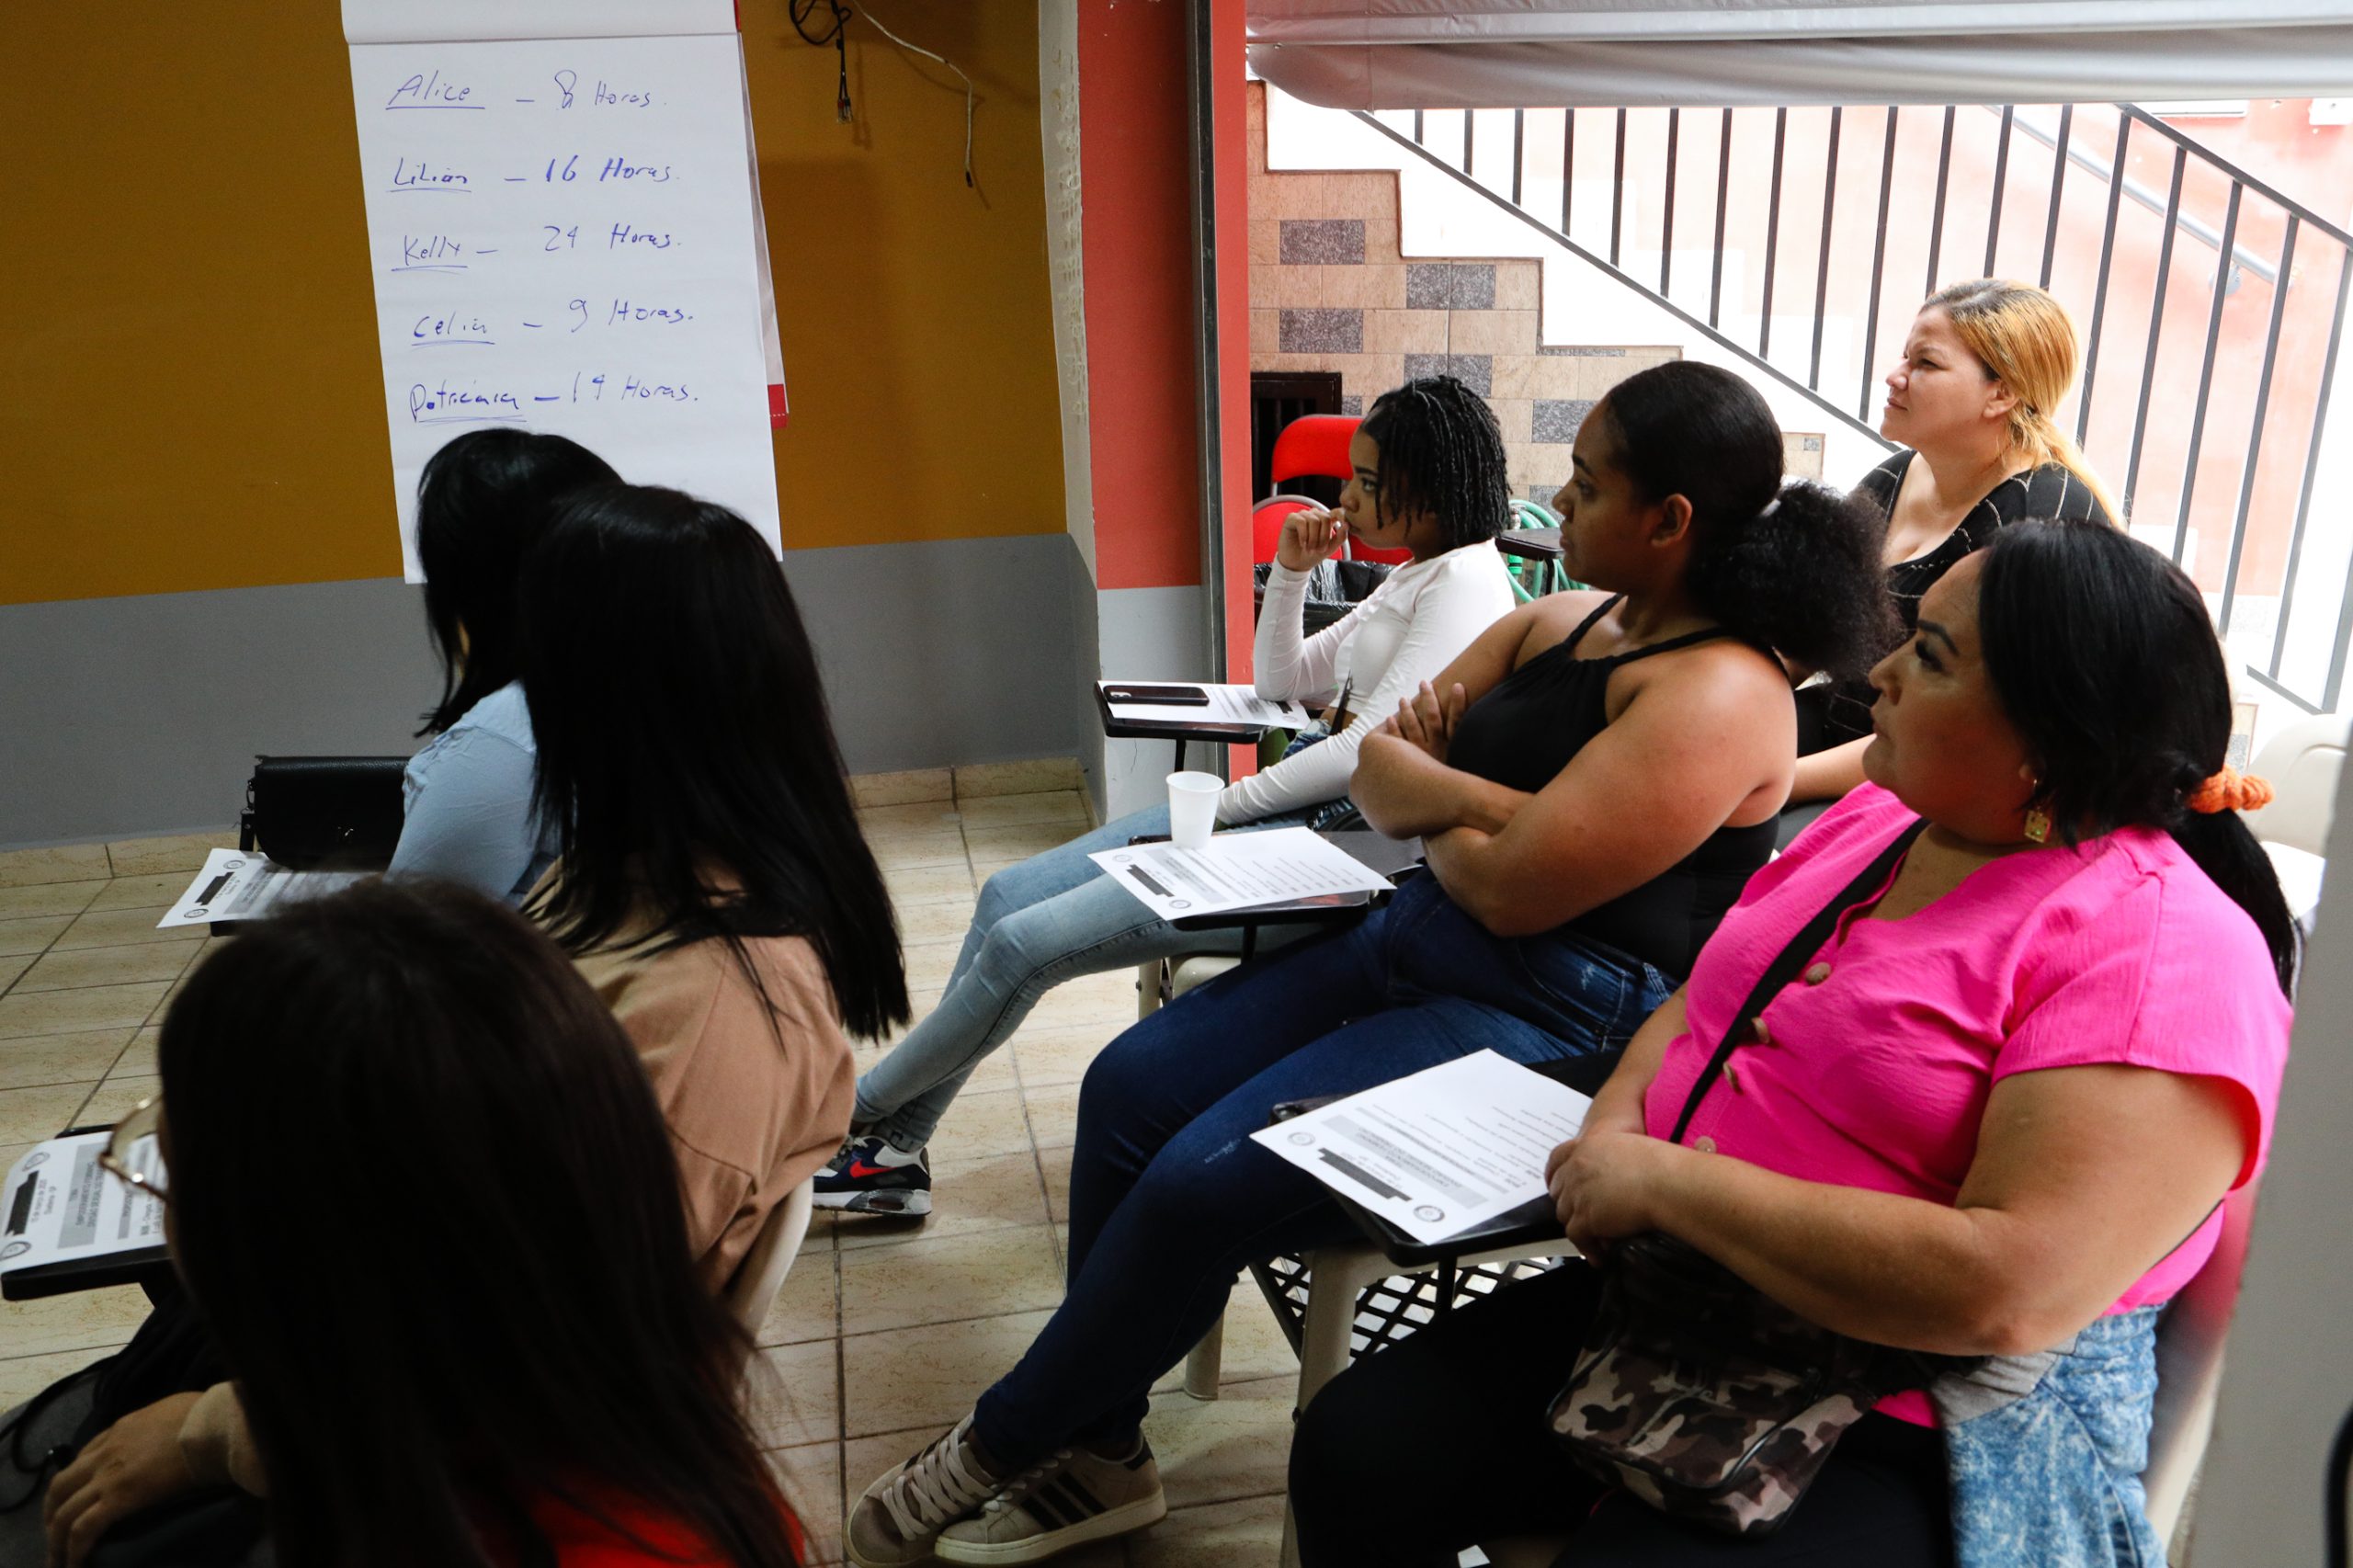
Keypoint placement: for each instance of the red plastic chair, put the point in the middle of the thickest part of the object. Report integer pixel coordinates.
(1318, 444)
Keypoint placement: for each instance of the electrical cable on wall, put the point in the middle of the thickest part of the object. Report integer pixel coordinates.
(802, 11)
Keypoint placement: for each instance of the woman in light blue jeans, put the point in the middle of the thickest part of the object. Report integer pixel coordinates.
(1430, 479)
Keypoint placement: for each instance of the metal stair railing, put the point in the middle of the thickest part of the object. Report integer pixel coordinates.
(2236, 512)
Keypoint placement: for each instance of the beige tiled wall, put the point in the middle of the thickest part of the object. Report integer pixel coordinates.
(1330, 291)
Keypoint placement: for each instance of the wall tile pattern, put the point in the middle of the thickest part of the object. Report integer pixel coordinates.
(1330, 291)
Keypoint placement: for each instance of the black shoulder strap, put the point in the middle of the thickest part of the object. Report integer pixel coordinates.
(1587, 624)
(1784, 967)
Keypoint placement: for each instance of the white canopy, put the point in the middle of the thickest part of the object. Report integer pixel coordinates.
(1514, 53)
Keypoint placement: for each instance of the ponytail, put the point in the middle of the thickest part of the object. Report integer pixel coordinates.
(2227, 851)
(1798, 569)
(2103, 658)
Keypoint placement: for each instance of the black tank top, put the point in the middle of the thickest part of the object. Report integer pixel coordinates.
(1525, 730)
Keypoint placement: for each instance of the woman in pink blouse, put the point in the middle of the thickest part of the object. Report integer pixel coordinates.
(1996, 1112)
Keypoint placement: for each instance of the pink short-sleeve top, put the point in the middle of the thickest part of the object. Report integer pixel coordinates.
(1878, 1060)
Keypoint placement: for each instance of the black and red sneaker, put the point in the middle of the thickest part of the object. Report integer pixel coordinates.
(870, 1176)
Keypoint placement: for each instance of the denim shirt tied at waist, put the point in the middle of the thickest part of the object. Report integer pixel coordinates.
(2045, 1452)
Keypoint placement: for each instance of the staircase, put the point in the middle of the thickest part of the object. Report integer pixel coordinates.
(1794, 244)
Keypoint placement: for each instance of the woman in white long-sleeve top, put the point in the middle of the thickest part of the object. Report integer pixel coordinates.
(1429, 478)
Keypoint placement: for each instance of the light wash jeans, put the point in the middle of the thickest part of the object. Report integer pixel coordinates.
(1053, 917)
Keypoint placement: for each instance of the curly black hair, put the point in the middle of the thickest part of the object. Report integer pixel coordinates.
(1442, 452)
(1793, 569)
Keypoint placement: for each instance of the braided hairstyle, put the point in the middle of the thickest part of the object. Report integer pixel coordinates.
(2103, 658)
(1441, 452)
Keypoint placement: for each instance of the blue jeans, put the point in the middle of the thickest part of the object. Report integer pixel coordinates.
(1169, 1197)
(1053, 917)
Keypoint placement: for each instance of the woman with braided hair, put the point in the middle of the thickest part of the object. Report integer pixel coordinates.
(1429, 478)
(1592, 780)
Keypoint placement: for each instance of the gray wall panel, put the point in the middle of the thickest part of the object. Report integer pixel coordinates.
(125, 717)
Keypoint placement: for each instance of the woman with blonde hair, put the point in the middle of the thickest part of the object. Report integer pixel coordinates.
(1985, 368)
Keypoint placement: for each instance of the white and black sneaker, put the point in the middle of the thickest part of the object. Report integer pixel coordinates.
(872, 1176)
(1071, 1498)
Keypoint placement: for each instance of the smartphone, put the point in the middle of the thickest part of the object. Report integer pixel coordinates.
(1165, 696)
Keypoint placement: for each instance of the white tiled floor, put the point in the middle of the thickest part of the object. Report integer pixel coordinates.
(887, 1329)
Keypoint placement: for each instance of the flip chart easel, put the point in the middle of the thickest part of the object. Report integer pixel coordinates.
(565, 229)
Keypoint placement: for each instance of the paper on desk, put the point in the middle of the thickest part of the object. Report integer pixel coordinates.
(1238, 871)
(59, 1206)
(240, 885)
(1227, 705)
(1451, 1147)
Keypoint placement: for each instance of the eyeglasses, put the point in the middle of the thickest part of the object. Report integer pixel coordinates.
(133, 1157)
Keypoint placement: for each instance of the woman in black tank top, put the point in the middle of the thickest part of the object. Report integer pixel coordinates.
(1601, 774)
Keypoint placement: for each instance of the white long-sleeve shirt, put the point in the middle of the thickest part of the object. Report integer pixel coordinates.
(1404, 634)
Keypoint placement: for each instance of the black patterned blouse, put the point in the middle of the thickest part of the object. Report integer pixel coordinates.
(1843, 713)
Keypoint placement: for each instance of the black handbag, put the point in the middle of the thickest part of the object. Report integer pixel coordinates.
(338, 813)
(172, 1353)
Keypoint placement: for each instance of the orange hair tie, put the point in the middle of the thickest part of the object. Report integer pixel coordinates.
(2230, 790)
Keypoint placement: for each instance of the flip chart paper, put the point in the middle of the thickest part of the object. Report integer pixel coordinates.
(564, 238)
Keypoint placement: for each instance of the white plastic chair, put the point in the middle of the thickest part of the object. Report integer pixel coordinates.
(762, 1274)
(2301, 763)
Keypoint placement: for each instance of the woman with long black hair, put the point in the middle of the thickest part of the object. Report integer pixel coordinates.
(483, 501)
(1994, 1112)
(713, 884)
(424, 1200)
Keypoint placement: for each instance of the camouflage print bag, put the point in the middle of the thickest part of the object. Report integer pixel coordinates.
(1697, 1392)
(1709, 1400)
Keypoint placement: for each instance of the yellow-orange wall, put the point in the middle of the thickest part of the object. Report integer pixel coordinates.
(187, 325)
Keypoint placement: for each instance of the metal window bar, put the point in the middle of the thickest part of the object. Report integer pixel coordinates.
(2254, 431)
(1879, 262)
(1936, 220)
(1723, 195)
(2099, 293)
(1666, 211)
(2001, 176)
(1772, 232)
(1518, 151)
(1618, 192)
(2157, 333)
(1822, 261)
(2221, 292)
(2305, 497)
(2144, 196)
(1568, 163)
(2058, 189)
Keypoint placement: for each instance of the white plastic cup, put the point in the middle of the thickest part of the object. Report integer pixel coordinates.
(1193, 808)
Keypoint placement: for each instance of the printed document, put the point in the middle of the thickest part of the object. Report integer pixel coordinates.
(59, 1206)
(238, 885)
(1227, 705)
(1449, 1148)
(1238, 871)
